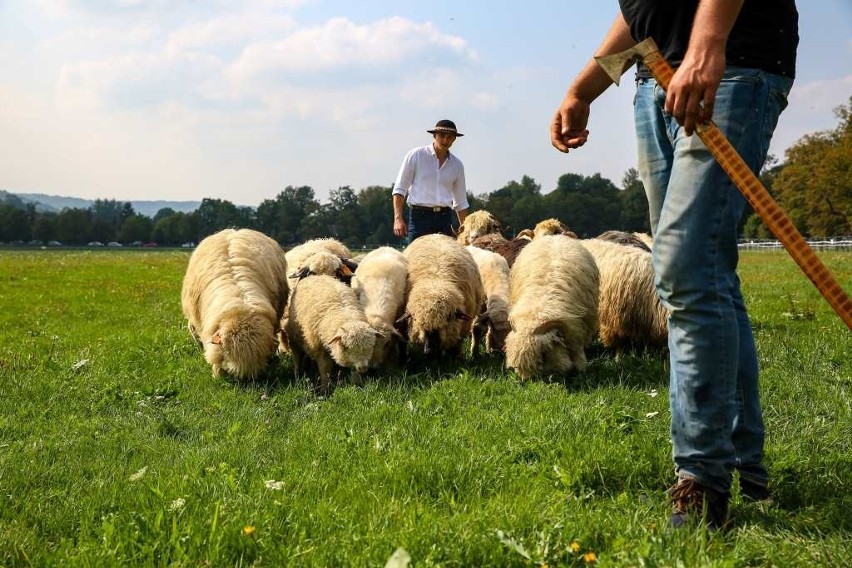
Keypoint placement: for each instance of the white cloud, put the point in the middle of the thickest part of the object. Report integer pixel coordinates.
(340, 43)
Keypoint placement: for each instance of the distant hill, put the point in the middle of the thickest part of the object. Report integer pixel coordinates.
(57, 203)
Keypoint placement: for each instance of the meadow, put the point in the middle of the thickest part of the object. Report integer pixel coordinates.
(118, 447)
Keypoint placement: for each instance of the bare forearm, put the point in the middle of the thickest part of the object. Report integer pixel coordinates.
(592, 80)
(398, 202)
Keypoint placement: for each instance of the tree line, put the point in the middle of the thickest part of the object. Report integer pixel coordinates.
(814, 185)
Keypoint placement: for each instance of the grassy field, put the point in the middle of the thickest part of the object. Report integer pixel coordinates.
(118, 447)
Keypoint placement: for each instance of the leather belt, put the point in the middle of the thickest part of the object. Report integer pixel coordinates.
(435, 209)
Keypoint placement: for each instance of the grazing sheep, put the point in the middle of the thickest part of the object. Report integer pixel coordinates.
(477, 223)
(493, 323)
(320, 256)
(645, 238)
(444, 294)
(234, 293)
(554, 307)
(630, 312)
(624, 238)
(552, 227)
(380, 283)
(507, 249)
(326, 323)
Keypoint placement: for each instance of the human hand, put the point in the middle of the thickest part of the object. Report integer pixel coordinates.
(400, 229)
(691, 94)
(568, 127)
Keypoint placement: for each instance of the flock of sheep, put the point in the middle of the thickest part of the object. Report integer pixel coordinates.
(540, 298)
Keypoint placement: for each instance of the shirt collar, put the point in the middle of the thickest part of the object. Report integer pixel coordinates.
(435, 154)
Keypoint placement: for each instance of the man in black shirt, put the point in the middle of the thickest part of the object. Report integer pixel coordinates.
(735, 63)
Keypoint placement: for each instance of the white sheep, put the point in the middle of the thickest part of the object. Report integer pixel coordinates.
(325, 322)
(380, 283)
(630, 311)
(233, 295)
(477, 224)
(553, 292)
(552, 226)
(444, 294)
(493, 323)
(319, 256)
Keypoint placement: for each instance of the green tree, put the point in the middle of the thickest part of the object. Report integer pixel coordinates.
(14, 224)
(72, 226)
(375, 207)
(217, 214)
(588, 205)
(282, 216)
(176, 229)
(815, 185)
(502, 202)
(135, 228)
(44, 227)
(634, 215)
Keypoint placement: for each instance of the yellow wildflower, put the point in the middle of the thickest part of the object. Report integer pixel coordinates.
(590, 557)
(248, 530)
(575, 547)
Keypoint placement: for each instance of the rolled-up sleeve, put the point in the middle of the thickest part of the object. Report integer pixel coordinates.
(405, 177)
(460, 191)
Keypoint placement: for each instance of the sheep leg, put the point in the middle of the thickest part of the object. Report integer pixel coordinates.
(326, 366)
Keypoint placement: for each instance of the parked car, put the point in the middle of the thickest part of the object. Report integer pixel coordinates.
(136, 244)
(149, 245)
(188, 245)
(114, 244)
(95, 244)
(54, 244)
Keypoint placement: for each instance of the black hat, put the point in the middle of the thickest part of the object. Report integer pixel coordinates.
(445, 126)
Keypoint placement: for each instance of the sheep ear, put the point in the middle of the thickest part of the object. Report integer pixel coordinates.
(404, 318)
(301, 273)
(336, 339)
(397, 334)
(216, 339)
(350, 264)
(545, 327)
(462, 316)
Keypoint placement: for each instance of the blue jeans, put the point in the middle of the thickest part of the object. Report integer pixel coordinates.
(422, 222)
(695, 209)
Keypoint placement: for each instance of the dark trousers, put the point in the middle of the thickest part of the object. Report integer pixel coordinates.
(424, 221)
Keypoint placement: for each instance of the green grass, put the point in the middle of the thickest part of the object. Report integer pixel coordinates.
(118, 447)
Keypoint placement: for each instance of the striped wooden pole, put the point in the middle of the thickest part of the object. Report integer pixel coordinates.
(759, 198)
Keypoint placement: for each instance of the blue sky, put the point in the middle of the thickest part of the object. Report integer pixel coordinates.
(181, 99)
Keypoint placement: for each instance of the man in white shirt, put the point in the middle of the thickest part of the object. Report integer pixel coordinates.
(432, 179)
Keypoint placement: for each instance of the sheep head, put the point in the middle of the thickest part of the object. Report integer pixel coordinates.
(437, 323)
(241, 344)
(541, 351)
(352, 345)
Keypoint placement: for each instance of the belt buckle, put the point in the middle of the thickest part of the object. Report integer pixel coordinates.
(436, 209)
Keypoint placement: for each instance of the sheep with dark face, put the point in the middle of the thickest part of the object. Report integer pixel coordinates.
(553, 294)
(380, 283)
(325, 322)
(233, 295)
(444, 294)
(320, 256)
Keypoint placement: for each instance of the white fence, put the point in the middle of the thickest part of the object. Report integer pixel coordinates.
(843, 244)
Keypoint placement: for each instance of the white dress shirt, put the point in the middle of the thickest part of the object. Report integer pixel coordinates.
(426, 183)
